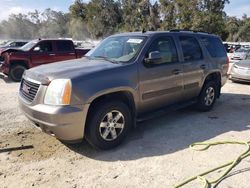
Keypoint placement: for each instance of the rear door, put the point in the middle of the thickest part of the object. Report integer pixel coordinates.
(42, 53)
(194, 65)
(161, 84)
(64, 50)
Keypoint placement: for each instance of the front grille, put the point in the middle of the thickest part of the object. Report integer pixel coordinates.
(28, 90)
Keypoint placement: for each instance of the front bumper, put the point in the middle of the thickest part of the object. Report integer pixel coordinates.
(66, 123)
(4, 68)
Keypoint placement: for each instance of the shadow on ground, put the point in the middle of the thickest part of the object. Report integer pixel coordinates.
(6, 79)
(177, 130)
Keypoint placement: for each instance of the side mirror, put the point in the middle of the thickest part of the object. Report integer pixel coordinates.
(154, 58)
(36, 49)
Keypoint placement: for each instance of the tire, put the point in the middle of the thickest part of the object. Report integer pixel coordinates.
(208, 96)
(103, 131)
(16, 72)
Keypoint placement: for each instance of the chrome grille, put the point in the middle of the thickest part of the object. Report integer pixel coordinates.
(28, 90)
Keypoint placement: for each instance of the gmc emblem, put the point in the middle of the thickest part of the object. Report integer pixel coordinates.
(26, 88)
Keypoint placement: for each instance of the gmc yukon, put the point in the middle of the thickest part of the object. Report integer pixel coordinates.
(125, 78)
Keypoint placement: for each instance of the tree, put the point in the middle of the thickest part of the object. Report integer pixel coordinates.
(54, 24)
(18, 26)
(210, 16)
(205, 15)
(78, 10)
(238, 29)
(78, 29)
(103, 17)
(140, 15)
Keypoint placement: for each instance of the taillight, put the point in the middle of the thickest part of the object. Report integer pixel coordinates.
(228, 60)
(228, 65)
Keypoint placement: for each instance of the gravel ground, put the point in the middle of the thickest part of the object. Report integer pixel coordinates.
(156, 153)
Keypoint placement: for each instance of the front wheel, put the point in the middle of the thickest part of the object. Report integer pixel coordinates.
(108, 124)
(16, 72)
(207, 96)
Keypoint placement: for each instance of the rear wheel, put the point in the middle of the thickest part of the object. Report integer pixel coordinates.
(207, 96)
(16, 72)
(108, 124)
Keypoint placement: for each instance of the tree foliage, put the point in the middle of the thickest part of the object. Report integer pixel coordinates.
(100, 18)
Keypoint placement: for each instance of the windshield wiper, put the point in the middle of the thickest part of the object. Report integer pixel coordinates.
(106, 58)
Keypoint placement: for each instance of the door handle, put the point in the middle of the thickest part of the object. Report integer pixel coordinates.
(52, 54)
(203, 66)
(176, 71)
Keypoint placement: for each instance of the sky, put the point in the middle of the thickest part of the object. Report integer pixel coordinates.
(7, 7)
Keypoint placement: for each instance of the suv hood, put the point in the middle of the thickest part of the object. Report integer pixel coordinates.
(68, 69)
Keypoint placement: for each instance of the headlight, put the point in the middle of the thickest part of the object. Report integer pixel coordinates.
(58, 92)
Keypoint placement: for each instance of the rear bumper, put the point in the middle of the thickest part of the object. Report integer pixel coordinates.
(66, 123)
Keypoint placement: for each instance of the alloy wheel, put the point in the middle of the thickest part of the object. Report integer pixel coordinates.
(210, 96)
(112, 125)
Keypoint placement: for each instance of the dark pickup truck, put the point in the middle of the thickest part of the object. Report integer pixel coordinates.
(37, 52)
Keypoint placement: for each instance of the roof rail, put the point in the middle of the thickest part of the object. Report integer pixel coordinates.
(187, 30)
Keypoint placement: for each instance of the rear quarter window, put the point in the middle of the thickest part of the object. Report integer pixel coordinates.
(214, 46)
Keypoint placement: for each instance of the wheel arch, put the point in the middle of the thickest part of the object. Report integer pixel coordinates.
(19, 62)
(125, 96)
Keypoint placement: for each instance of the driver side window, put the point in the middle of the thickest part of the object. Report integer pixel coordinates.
(44, 47)
(167, 49)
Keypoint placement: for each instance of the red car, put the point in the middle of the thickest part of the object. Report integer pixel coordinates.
(37, 52)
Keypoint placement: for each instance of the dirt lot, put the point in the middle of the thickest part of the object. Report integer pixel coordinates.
(156, 153)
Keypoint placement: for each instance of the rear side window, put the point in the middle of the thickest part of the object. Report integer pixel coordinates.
(191, 48)
(64, 46)
(214, 46)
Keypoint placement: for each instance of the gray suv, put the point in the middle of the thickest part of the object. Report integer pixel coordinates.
(125, 78)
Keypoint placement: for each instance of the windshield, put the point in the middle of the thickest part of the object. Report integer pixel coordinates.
(7, 44)
(242, 50)
(29, 45)
(118, 48)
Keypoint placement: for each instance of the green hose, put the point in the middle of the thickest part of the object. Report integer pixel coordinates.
(207, 183)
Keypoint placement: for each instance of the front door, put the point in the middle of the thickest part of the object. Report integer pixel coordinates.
(43, 53)
(161, 84)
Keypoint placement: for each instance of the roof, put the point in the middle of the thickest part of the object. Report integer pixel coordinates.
(151, 33)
